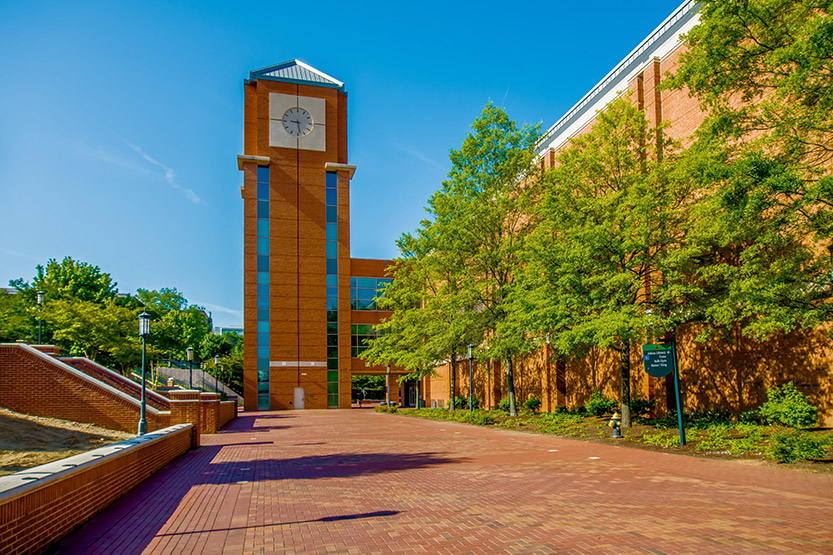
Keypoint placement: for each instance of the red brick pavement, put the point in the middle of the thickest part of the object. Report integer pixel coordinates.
(362, 482)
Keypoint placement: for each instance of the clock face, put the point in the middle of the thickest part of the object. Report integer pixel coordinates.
(297, 122)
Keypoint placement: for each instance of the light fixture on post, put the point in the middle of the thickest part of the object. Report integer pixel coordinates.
(189, 354)
(144, 331)
(471, 387)
(41, 296)
(216, 369)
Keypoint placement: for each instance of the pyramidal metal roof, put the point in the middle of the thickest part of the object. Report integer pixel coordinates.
(296, 71)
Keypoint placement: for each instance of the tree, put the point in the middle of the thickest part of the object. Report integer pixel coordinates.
(453, 276)
(18, 317)
(761, 68)
(103, 332)
(487, 224)
(69, 279)
(611, 221)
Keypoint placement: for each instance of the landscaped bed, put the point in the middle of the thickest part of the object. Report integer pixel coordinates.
(27, 441)
(714, 434)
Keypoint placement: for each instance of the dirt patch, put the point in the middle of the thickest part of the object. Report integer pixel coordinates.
(27, 441)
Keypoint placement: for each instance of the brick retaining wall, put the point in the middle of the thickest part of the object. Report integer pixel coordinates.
(35, 383)
(41, 505)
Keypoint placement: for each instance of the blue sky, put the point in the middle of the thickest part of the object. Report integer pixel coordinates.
(120, 122)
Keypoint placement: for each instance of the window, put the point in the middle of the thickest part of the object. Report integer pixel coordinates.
(331, 253)
(360, 337)
(364, 291)
(263, 288)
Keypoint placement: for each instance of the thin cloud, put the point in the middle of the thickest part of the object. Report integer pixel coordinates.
(418, 155)
(170, 175)
(17, 254)
(223, 309)
(110, 157)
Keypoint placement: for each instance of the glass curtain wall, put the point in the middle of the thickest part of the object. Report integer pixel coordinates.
(263, 288)
(331, 207)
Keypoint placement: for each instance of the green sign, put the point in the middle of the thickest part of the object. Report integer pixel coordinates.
(658, 359)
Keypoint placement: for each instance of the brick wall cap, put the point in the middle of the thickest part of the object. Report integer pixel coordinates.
(150, 393)
(25, 481)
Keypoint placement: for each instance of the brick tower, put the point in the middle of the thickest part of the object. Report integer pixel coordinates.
(296, 240)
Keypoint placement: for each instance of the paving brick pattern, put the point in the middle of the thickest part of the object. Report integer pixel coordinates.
(361, 482)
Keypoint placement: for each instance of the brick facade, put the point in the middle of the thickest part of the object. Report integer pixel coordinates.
(298, 291)
(713, 375)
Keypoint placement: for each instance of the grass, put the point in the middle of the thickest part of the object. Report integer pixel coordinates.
(707, 434)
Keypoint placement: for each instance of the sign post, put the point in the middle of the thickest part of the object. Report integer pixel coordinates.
(660, 359)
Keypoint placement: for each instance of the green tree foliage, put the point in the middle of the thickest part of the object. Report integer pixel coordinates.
(85, 316)
(69, 279)
(103, 332)
(373, 387)
(611, 224)
(763, 67)
(453, 275)
(18, 317)
(751, 267)
(176, 325)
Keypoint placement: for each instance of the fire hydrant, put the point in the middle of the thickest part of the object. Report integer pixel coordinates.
(615, 423)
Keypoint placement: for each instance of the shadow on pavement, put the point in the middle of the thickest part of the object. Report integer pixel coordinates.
(322, 519)
(149, 506)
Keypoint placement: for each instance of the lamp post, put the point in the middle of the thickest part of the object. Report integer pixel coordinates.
(471, 387)
(387, 386)
(189, 354)
(216, 369)
(144, 331)
(41, 296)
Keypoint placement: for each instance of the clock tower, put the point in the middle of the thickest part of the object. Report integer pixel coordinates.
(296, 210)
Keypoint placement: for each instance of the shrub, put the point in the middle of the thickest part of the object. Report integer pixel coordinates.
(751, 417)
(641, 406)
(463, 403)
(796, 445)
(482, 417)
(503, 404)
(533, 403)
(788, 407)
(599, 405)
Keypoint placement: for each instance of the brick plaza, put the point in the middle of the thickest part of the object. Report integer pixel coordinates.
(361, 482)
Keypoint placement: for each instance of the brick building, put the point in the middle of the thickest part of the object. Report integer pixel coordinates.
(713, 374)
(308, 305)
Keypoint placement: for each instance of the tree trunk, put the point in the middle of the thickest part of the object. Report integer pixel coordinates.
(452, 379)
(510, 386)
(625, 363)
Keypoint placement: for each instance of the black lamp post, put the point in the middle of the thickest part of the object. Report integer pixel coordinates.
(471, 386)
(41, 296)
(216, 369)
(144, 331)
(189, 354)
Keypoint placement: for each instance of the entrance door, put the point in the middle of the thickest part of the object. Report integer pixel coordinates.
(412, 395)
(299, 398)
